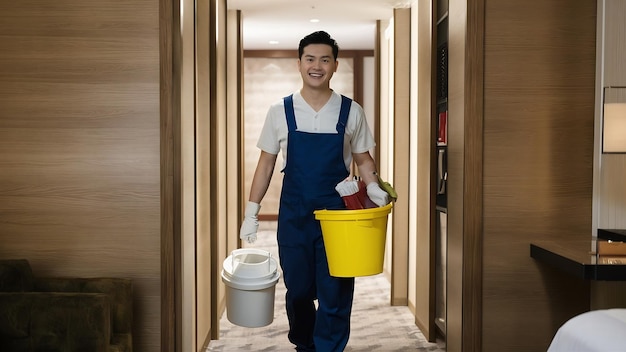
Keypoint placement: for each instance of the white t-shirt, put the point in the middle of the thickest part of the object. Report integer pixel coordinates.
(357, 138)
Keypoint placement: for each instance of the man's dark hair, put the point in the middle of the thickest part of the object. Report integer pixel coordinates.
(319, 37)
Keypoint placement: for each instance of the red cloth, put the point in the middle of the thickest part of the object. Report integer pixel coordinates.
(352, 202)
(358, 200)
(364, 198)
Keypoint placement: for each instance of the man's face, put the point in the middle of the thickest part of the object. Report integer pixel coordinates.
(317, 65)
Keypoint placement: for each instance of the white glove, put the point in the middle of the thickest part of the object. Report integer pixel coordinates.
(250, 223)
(377, 195)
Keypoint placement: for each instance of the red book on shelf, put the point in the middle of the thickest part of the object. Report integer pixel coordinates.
(442, 128)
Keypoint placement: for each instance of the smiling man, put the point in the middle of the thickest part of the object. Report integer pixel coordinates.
(319, 133)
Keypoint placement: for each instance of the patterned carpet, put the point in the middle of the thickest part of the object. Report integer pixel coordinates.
(375, 326)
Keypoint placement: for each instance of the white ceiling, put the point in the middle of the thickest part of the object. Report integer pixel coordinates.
(352, 23)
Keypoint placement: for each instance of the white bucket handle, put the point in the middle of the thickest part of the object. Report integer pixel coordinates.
(269, 260)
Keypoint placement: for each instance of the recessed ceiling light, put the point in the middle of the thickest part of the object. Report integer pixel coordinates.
(314, 20)
(273, 42)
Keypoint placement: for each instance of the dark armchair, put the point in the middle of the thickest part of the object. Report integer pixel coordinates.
(63, 314)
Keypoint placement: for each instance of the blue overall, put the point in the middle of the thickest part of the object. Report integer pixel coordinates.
(314, 167)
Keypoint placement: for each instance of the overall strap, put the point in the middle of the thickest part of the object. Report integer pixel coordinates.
(289, 113)
(343, 114)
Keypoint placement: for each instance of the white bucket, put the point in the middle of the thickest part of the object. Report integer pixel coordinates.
(250, 276)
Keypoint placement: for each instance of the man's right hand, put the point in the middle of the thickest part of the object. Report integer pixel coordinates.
(250, 224)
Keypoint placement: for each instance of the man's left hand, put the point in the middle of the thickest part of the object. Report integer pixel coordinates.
(377, 195)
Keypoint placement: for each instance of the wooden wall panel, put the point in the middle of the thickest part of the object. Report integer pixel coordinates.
(538, 158)
(473, 185)
(169, 103)
(80, 144)
(234, 131)
(458, 124)
(185, 189)
(424, 292)
(218, 234)
(614, 43)
(401, 161)
(612, 190)
(205, 160)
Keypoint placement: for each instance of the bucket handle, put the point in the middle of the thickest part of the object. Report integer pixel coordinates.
(269, 261)
(365, 223)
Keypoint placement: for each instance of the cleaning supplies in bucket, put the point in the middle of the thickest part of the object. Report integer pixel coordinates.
(354, 240)
(386, 186)
(250, 276)
(354, 194)
(353, 191)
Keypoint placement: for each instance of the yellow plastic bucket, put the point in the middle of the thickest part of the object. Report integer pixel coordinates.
(354, 240)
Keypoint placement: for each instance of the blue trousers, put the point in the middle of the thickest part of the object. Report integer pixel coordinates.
(306, 276)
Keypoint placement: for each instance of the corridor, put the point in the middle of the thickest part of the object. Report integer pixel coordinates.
(376, 326)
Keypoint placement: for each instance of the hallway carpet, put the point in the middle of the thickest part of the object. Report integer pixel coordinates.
(375, 326)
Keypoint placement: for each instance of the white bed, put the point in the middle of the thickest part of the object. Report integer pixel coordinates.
(594, 331)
